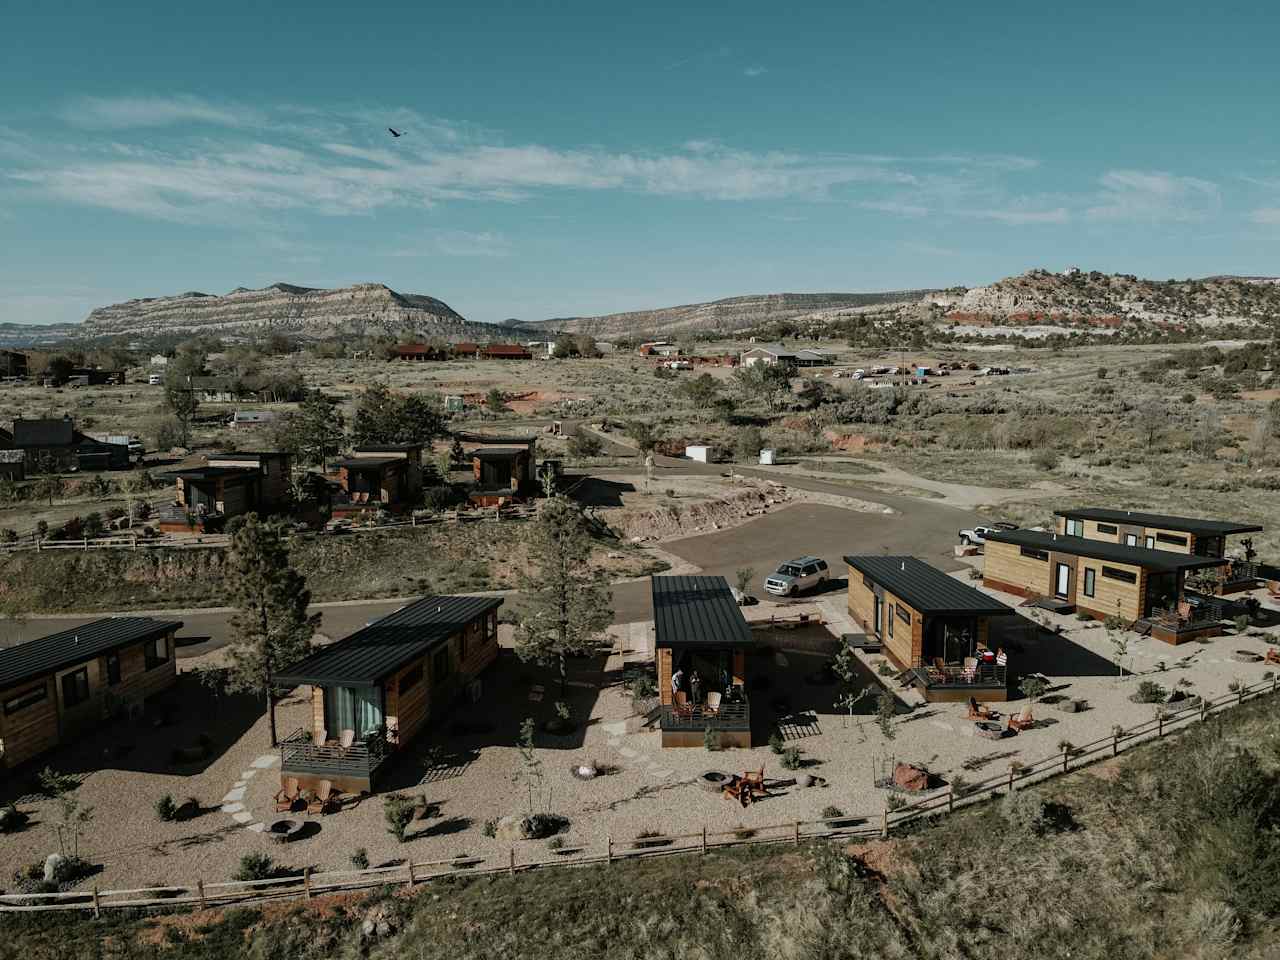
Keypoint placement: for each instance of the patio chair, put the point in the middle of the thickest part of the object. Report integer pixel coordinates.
(979, 712)
(323, 800)
(970, 669)
(345, 740)
(1184, 611)
(1022, 720)
(287, 795)
(1271, 656)
(1273, 589)
(682, 706)
(754, 781)
(737, 789)
(712, 706)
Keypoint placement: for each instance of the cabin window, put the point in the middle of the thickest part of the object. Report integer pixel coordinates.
(441, 666)
(1108, 528)
(891, 619)
(1033, 553)
(1075, 528)
(1090, 581)
(358, 709)
(491, 628)
(866, 582)
(113, 669)
(903, 613)
(1171, 539)
(75, 687)
(23, 700)
(410, 679)
(1124, 576)
(157, 652)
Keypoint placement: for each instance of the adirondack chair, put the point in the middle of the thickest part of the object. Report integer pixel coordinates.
(979, 712)
(1271, 656)
(970, 669)
(287, 795)
(345, 740)
(1022, 720)
(323, 800)
(682, 706)
(712, 706)
(747, 788)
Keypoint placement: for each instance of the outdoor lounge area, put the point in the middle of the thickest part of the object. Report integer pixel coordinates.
(1144, 588)
(701, 641)
(374, 691)
(931, 625)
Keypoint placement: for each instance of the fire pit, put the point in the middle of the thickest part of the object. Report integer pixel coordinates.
(282, 831)
(713, 781)
(1246, 656)
(988, 729)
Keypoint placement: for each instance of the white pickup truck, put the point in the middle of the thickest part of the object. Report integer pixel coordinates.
(976, 536)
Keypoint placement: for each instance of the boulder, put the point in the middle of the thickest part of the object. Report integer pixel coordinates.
(510, 828)
(53, 866)
(909, 777)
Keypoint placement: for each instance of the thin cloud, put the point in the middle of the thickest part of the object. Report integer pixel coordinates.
(1018, 217)
(754, 71)
(456, 243)
(1266, 215)
(1154, 195)
(124, 113)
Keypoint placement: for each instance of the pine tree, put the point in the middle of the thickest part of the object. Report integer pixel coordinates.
(270, 628)
(568, 603)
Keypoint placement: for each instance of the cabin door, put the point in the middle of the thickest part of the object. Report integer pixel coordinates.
(1062, 581)
(879, 617)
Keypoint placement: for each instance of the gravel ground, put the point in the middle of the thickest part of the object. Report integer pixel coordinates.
(646, 788)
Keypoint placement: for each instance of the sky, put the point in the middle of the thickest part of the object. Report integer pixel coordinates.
(564, 159)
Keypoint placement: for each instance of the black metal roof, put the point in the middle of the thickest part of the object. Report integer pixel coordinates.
(498, 453)
(387, 447)
(467, 437)
(925, 587)
(697, 612)
(386, 645)
(213, 473)
(38, 658)
(44, 432)
(367, 463)
(1202, 528)
(1161, 561)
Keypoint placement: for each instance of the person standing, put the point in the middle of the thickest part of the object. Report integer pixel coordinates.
(677, 681)
(695, 686)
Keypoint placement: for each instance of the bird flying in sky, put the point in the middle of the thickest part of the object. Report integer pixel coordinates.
(394, 132)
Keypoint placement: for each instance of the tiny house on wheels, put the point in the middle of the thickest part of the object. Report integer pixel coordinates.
(931, 624)
(56, 688)
(374, 691)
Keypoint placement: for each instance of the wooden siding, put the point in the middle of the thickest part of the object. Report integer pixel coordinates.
(31, 731)
(1005, 563)
(906, 645)
(664, 675)
(1005, 567)
(1091, 532)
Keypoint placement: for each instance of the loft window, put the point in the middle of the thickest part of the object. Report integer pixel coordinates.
(157, 652)
(410, 679)
(903, 613)
(491, 627)
(866, 582)
(23, 700)
(1124, 576)
(1090, 581)
(1171, 538)
(1075, 528)
(75, 687)
(1033, 553)
(1107, 528)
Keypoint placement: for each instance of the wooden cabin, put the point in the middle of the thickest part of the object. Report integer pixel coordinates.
(379, 476)
(229, 485)
(1155, 531)
(931, 624)
(383, 684)
(56, 688)
(504, 469)
(699, 628)
(1145, 588)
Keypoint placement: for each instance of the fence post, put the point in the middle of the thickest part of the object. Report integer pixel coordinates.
(306, 881)
(1011, 778)
(608, 852)
(1240, 693)
(951, 799)
(797, 833)
(200, 893)
(1204, 709)
(97, 905)
(1160, 725)
(409, 864)
(511, 864)
(1115, 744)
(704, 839)
(1066, 754)
(884, 824)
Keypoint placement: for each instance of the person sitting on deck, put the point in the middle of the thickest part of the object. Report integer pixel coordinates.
(677, 681)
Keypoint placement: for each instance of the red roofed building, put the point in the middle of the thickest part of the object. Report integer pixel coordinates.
(505, 351)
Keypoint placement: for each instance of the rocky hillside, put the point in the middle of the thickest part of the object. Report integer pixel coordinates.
(36, 335)
(366, 308)
(724, 316)
(1099, 298)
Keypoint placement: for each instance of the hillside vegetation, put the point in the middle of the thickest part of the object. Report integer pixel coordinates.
(1171, 852)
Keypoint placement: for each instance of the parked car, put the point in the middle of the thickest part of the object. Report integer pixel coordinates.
(978, 535)
(796, 575)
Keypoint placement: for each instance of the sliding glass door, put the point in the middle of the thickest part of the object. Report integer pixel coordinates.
(352, 708)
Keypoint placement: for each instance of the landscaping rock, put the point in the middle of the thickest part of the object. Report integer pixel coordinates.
(53, 865)
(909, 777)
(509, 828)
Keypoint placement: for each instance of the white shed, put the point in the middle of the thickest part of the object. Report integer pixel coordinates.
(766, 457)
(700, 453)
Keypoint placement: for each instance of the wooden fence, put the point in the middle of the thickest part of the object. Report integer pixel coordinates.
(880, 824)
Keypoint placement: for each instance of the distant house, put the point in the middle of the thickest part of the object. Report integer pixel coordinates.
(769, 355)
(813, 358)
(13, 363)
(159, 360)
(386, 476)
(504, 351)
(54, 444)
(214, 389)
(699, 628)
(660, 348)
(376, 690)
(228, 485)
(1155, 531)
(58, 687)
(931, 624)
(419, 352)
(1142, 587)
(89, 377)
(466, 349)
(252, 418)
(504, 468)
(13, 464)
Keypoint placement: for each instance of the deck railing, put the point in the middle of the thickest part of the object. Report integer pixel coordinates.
(696, 716)
(956, 675)
(298, 754)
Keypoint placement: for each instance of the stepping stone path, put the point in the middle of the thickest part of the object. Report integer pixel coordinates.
(232, 803)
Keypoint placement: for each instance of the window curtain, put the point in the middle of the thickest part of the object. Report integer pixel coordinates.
(352, 708)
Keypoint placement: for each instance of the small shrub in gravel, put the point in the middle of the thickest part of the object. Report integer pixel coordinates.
(744, 833)
(12, 819)
(255, 866)
(360, 859)
(791, 759)
(398, 811)
(776, 743)
(166, 809)
(538, 826)
(1149, 692)
(490, 828)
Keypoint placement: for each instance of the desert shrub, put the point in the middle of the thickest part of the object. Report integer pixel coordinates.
(711, 738)
(1149, 692)
(1045, 459)
(743, 832)
(791, 759)
(776, 743)
(539, 826)
(12, 819)
(490, 828)
(1212, 922)
(166, 809)
(1023, 812)
(832, 813)
(254, 866)
(360, 859)
(555, 843)
(1033, 687)
(644, 687)
(397, 810)
(895, 802)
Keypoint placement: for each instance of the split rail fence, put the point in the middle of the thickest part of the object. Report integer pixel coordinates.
(308, 883)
